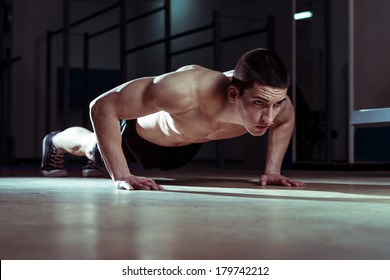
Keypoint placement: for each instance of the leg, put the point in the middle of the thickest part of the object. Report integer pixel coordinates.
(76, 140)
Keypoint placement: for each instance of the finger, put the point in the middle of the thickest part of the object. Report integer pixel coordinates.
(140, 185)
(146, 184)
(263, 180)
(156, 187)
(152, 184)
(285, 183)
(292, 182)
(296, 183)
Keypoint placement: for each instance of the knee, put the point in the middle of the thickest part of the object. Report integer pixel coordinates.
(88, 146)
(77, 150)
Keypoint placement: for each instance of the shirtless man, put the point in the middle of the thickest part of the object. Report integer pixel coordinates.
(161, 122)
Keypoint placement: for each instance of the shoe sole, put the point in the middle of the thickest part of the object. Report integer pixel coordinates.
(55, 173)
(94, 173)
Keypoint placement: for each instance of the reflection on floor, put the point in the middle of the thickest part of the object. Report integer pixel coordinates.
(200, 215)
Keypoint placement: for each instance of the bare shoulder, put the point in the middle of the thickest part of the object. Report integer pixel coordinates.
(191, 67)
(206, 84)
(286, 114)
(183, 89)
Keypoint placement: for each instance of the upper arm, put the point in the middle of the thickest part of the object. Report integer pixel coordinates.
(126, 101)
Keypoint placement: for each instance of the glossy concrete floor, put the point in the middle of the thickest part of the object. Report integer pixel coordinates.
(200, 215)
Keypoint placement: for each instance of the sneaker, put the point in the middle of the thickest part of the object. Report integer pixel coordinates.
(91, 170)
(52, 164)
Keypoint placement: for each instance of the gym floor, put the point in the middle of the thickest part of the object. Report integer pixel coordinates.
(202, 214)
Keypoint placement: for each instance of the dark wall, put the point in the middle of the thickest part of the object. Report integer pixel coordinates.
(371, 54)
(31, 24)
(371, 75)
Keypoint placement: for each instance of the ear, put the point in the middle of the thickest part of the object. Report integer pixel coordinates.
(233, 93)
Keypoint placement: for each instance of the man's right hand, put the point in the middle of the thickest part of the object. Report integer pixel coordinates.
(137, 183)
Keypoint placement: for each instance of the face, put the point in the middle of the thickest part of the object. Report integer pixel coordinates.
(258, 106)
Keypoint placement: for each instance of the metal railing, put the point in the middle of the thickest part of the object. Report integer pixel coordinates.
(65, 31)
(216, 43)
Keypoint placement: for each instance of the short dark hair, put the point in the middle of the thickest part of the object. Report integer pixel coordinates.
(261, 66)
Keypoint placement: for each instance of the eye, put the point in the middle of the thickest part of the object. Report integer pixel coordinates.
(259, 102)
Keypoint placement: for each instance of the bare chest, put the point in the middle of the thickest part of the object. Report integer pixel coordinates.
(176, 130)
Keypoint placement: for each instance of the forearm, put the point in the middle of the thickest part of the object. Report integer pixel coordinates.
(279, 138)
(107, 129)
(278, 141)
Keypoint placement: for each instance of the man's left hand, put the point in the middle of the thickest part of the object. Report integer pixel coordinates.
(276, 179)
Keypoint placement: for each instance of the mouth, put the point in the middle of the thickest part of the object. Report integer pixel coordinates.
(262, 127)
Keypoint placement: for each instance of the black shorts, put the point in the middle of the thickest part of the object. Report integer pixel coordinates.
(146, 154)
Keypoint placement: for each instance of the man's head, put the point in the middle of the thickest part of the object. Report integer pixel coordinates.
(258, 90)
(263, 67)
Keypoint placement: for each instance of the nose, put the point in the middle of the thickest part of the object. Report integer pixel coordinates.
(268, 116)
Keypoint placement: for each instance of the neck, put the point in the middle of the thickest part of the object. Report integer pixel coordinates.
(228, 113)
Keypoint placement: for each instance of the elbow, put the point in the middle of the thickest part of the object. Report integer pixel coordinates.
(96, 108)
(102, 109)
(93, 108)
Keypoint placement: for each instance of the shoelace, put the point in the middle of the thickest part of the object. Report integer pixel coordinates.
(57, 158)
